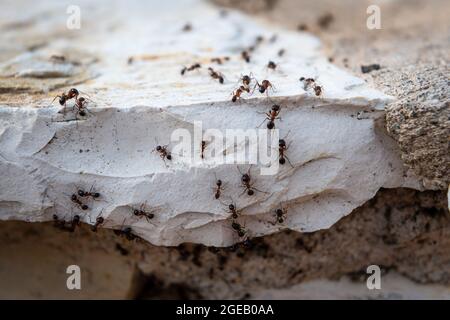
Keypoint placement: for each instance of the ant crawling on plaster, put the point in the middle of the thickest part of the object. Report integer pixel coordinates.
(141, 212)
(272, 115)
(98, 221)
(231, 208)
(282, 148)
(238, 92)
(163, 152)
(280, 215)
(311, 83)
(64, 97)
(216, 75)
(246, 56)
(246, 183)
(127, 232)
(76, 221)
(90, 193)
(219, 188)
(220, 60)
(190, 68)
(264, 86)
(240, 230)
(271, 65)
(74, 198)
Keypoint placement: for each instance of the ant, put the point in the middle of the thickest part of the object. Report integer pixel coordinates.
(246, 80)
(282, 148)
(220, 60)
(74, 223)
(245, 183)
(239, 229)
(60, 224)
(311, 83)
(245, 55)
(192, 67)
(264, 86)
(83, 193)
(218, 188)
(237, 93)
(271, 116)
(127, 232)
(271, 65)
(215, 75)
(142, 213)
(280, 215)
(98, 222)
(233, 210)
(163, 153)
(75, 199)
(80, 105)
(281, 52)
(203, 146)
(63, 98)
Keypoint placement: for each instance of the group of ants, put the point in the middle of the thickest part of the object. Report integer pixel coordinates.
(246, 180)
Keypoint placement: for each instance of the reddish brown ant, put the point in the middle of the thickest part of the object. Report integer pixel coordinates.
(215, 75)
(280, 215)
(264, 86)
(75, 199)
(311, 83)
(237, 93)
(246, 183)
(220, 60)
(192, 67)
(233, 210)
(63, 98)
(246, 80)
(80, 105)
(142, 213)
(163, 153)
(318, 90)
(271, 116)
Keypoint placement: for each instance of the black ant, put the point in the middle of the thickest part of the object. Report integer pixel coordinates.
(282, 148)
(237, 93)
(142, 213)
(233, 210)
(215, 75)
(239, 229)
(245, 183)
(63, 98)
(75, 199)
(264, 86)
(98, 222)
(74, 223)
(280, 215)
(220, 60)
(127, 232)
(218, 188)
(203, 146)
(271, 65)
(163, 153)
(271, 116)
(192, 67)
(83, 193)
(245, 55)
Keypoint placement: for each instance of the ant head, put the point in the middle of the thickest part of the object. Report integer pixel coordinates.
(280, 220)
(281, 143)
(74, 197)
(275, 107)
(279, 212)
(302, 79)
(55, 217)
(241, 233)
(231, 207)
(84, 207)
(136, 212)
(270, 125)
(100, 220)
(169, 157)
(80, 193)
(81, 99)
(245, 178)
(262, 89)
(96, 195)
(158, 148)
(234, 99)
(203, 143)
(76, 218)
(73, 92)
(219, 183)
(250, 192)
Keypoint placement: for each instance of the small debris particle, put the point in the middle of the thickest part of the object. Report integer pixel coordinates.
(370, 67)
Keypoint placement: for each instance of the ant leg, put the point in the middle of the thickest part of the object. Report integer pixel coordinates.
(289, 161)
(263, 122)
